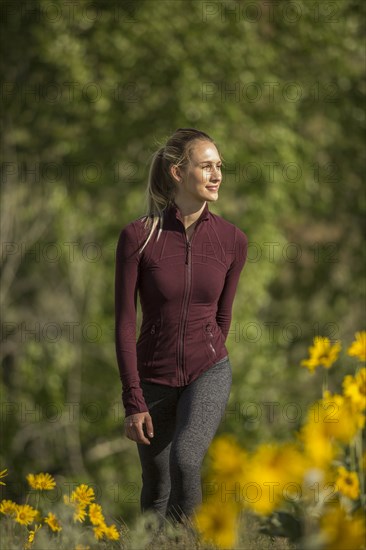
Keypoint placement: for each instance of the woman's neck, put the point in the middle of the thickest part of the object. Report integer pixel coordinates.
(189, 213)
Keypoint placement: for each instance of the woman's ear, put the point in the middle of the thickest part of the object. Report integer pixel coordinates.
(175, 172)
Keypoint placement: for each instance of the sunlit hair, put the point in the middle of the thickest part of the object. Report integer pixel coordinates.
(161, 187)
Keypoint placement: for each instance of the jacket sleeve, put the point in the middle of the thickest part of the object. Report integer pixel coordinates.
(225, 303)
(126, 285)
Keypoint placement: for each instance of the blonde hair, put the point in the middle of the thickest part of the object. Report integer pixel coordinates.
(161, 188)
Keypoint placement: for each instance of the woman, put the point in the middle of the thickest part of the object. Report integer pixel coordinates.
(185, 262)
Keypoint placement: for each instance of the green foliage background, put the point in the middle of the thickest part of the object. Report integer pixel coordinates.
(89, 91)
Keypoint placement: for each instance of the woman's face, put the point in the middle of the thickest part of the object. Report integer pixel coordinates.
(201, 178)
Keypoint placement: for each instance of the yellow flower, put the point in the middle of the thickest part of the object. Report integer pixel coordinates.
(358, 346)
(52, 522)
(25, 514)
(354, 387)
(8, 507)
(274, 473)
(41, 482)
(81, 547)
(341, 531)
(321, 353)
(217, 522)
(228, 459)
(319, 448)
(31, 536)
(80, 512)
(3, 473)
(331, 419)
(83, 494)
(111, 532)
(99, 531)
(347, 483)
(97, 519)
(340, 418)
(95, 514)
(79, 507)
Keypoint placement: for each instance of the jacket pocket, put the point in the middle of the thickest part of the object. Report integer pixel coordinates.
(151, 345)
(209, 339)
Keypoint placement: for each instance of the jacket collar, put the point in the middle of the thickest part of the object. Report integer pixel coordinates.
(172, 212)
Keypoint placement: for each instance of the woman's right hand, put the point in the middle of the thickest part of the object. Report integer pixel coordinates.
(134, 427)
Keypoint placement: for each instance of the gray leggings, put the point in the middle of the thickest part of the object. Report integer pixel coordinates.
(185, 420)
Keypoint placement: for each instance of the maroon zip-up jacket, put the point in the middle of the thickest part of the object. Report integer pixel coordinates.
(186, 290)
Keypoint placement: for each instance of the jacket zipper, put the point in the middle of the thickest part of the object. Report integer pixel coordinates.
(188, 262)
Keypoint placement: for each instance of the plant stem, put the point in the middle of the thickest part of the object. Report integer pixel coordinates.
(325, 382)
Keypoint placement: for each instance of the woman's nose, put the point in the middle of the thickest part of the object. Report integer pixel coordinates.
(216, 173)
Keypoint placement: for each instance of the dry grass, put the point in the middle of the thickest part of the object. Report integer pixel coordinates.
(149, 535)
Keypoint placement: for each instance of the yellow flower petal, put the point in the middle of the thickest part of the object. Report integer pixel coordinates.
(3, 473)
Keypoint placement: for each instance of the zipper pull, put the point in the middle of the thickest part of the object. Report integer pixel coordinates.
(188, 250)
(152, 331)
